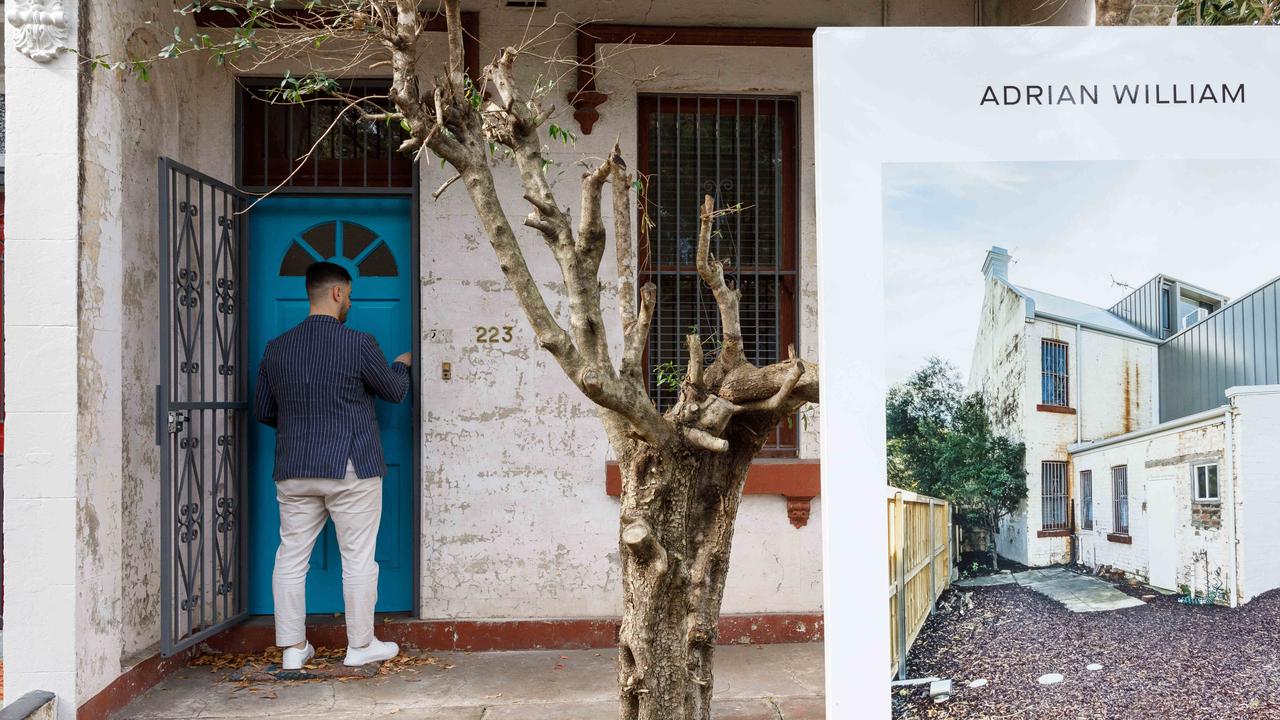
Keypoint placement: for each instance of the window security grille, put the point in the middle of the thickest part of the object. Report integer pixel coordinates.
(317, 144)
(1053, 373)
(1086, 499)
(742, 152)
(1053, 495)
(1120, 498)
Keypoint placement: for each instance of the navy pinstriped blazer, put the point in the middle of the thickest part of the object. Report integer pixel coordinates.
(316, 387)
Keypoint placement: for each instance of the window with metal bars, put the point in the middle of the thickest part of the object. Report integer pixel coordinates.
(1053, 495)
(741, 150)
(1086, 499)
(1053, 373)
(326, 146)
(1120, 498)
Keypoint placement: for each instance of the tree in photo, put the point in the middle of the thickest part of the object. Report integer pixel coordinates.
(682, 470)
(940, 443)
(984, 474)
(918, 412)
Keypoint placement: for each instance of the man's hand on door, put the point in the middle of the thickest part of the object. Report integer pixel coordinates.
(406, 358)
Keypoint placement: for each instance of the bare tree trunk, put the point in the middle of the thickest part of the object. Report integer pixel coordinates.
(679, 505)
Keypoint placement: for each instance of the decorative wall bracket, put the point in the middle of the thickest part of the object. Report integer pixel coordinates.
(799, 481)
(798, 511)
(586, 99)
(41, 26)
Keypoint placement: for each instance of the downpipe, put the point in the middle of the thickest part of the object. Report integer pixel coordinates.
(1229, 458)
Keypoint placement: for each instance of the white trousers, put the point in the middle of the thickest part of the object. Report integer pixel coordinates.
(355, 505)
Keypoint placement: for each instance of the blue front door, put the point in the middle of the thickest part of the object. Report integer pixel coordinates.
(370, 237)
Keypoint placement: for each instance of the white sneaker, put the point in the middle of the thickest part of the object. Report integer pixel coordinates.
(376, 651)
(294, 658)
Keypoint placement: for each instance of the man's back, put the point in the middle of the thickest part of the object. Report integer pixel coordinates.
(316, 386)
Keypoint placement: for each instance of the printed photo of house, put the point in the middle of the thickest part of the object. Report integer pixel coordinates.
(1149, 429)
(1135, 377)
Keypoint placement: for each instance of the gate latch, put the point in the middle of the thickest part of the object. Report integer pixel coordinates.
(176, 418)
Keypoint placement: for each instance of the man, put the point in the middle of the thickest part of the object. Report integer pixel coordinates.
(316, 386)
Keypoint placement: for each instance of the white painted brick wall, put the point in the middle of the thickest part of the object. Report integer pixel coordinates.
(1167, 455)
(1112, 386)
(1257, 460)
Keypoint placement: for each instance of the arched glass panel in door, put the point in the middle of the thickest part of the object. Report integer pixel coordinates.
(343, 242)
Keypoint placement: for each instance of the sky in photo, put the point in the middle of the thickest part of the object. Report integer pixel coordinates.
(1074, 229)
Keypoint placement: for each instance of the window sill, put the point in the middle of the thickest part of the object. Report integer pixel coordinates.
(798, 480)
(1208, 503)
(1054, 533)
(1056, 409)
(1122, 538)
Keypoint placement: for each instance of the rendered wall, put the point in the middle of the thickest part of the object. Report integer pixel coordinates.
(516, 521)
(127, 124)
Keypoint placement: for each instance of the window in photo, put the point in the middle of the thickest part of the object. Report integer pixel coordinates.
(1086, 499)
(1053, 373)
(1053, 497)
(1206, 476)
(1120, 498)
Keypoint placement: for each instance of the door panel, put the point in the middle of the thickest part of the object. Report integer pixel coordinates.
(370, 237)
(1162, 559)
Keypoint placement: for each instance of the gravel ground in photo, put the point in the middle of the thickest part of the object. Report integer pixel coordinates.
(1160, 660)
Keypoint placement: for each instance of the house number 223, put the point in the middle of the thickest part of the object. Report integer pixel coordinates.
(493, 333)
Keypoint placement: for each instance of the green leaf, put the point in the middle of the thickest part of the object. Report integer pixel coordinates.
(404, 125)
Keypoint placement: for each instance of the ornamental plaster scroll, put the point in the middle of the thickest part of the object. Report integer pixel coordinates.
(41, 26)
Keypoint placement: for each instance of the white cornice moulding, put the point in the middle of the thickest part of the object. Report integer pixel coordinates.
(41, 27)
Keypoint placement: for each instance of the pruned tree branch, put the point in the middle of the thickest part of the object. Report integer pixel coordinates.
(636, 335)
(712, 273)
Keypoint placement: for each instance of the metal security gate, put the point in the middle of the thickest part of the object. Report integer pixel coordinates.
(202, 408)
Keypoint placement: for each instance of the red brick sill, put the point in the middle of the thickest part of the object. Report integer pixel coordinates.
(1056, 409)
(799, 481)
(1123, 538)
(1053, 533)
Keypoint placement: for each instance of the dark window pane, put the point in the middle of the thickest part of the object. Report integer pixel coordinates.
(296, 261)
(379, 263)
(355, 238)
(275, 137)
(323, 239)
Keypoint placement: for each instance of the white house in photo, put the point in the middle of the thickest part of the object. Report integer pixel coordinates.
(1149, 430)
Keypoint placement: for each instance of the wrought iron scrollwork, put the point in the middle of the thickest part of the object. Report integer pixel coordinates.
(204, 398)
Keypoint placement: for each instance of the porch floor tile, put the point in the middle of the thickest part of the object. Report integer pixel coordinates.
(756, 682)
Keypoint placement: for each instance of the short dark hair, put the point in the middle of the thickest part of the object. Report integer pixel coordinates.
(322, 275)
